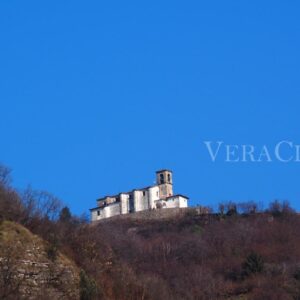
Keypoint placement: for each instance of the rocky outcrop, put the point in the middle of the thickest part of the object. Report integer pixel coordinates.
(27, 271)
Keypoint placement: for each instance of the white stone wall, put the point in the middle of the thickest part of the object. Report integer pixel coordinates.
(124, 203)
(183, 202)
(94, 216)
(176, 201)
(141, 200)
(153, 195)
(171, 202)
(112, 210)
(106, 212)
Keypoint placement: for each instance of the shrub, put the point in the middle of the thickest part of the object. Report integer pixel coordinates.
(253, 264)
(65, 215)
(297, 274)
(88, 288)
(51, 251)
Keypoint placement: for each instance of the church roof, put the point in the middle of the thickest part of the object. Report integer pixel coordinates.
(163, 170)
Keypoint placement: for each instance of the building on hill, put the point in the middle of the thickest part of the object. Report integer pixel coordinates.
(158, 196)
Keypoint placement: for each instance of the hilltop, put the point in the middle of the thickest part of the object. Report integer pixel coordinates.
(239, 252)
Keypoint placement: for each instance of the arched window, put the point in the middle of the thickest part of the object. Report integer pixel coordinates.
(161, 178)
(169, 178)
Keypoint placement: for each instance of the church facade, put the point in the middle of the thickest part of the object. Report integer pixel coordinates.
(158, 196)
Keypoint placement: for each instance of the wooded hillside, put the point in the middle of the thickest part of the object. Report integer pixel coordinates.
(239, 252)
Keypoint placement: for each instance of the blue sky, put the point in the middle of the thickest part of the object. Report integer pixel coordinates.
(96, 96)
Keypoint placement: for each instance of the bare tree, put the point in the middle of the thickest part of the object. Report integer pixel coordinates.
(249, 207)
(5, 176)
(278, 208)
(40, 204)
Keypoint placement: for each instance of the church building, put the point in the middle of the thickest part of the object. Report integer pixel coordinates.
(158, 196)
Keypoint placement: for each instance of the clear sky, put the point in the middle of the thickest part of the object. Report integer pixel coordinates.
(97, 95)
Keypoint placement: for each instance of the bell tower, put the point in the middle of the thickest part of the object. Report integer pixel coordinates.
(164, 179)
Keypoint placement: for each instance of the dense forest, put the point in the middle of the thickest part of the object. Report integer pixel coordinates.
(239, 252)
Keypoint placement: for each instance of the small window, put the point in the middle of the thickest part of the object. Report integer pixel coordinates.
(144, 193)
(98, 212)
